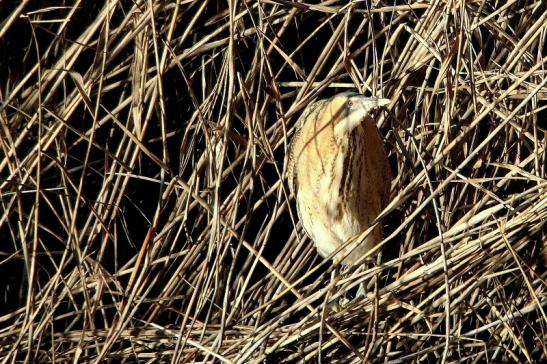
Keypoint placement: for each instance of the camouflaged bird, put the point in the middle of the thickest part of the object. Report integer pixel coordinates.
(339, 173)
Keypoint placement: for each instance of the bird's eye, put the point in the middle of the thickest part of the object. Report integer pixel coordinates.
(350, 104)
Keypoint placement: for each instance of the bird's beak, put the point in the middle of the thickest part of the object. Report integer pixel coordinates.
(369, 104)
(378, 102)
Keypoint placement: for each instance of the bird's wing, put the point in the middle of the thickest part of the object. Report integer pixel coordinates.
(296, 145)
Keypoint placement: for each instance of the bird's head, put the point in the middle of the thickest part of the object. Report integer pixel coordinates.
(349, 109)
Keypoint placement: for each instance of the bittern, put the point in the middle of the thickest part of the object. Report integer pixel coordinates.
(339, 173)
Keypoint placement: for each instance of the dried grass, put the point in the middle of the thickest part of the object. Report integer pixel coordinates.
(144, 211)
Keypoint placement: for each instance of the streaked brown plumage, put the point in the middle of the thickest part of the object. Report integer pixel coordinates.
(339, 173)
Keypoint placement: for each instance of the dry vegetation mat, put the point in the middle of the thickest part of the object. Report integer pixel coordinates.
(145, 214)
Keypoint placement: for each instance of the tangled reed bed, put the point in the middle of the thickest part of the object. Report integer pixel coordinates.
(144, 211)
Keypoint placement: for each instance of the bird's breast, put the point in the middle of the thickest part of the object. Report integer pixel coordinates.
(337, 181)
